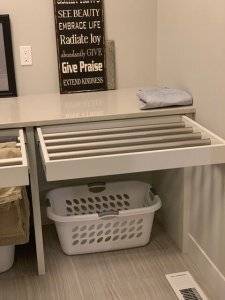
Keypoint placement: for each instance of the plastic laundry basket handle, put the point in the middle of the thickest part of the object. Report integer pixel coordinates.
(153, 191)
(108, 215)
(158, 204)
(96, 187)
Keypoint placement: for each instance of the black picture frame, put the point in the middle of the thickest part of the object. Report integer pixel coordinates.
(8, 60)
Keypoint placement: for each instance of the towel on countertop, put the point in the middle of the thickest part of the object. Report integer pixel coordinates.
(158, 97)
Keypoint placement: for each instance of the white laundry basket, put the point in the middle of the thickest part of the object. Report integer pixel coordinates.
(6, 257)
(103, 217)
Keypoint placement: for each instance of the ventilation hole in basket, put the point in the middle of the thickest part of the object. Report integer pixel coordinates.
(116, 224)
(84, 207)
(119, 203)
(83, 228)
(98, 206)
(75, 229)
(91, 241)
(108, 238)
(97, 199)
(105, 205)
(108, 225)
(112, 204)
(100, 240)
(139, 234)
(126, 196)
(90, 200)
(69, 209)
(140, 221)
(131, 229)
(75, 236)
(123, 237)
(108, 232)
(68, 202)
(123, 223)
(116, 238)
(91, 234)
(100, 233)
(76, 201)
(91, 227)
(115, 231)
(139, 228)
(131, 235)
(76, 208)
(132, 222)
(112, 197)
(119, 197)
(75, 242)
(100, 226)
(83, 235)
(105, 198)
(83, 242)
(124, 230)
(91, 207)
(127, 203)
(83, 200)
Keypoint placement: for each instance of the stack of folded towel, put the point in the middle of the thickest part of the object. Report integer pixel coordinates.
(14, 206)
(158, 97)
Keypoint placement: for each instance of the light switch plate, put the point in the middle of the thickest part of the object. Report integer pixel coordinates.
(26, 55)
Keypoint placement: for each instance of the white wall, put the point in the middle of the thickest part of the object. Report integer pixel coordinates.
(191, 55)
(131, 23)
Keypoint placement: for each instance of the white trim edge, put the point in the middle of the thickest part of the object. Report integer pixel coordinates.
(210, 272)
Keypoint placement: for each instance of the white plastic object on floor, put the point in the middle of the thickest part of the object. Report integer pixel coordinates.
(185, 287)
(103, 217)
(6, 257)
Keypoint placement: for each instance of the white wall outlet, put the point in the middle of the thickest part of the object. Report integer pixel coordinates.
(26, 55)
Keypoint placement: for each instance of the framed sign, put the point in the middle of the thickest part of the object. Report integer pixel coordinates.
(7, 72)
(80, 45)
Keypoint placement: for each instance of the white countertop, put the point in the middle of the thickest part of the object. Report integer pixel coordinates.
(49, 109)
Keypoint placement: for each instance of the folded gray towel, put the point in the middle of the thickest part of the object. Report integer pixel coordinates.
(157, 97)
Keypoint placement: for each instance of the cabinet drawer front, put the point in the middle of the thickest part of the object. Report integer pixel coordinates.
(127, 146)
(14, 171)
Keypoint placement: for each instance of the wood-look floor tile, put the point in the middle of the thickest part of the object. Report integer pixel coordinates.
(124, 275)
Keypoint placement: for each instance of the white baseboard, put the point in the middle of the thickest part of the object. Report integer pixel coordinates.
(212, 276)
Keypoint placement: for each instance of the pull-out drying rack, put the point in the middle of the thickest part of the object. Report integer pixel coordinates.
(126, 146)
(14, 171)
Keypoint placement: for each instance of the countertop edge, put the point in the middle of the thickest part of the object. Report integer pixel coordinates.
(142, 114)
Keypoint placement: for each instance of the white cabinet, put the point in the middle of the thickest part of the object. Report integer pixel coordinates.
(14, 171)
(126, 146)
